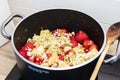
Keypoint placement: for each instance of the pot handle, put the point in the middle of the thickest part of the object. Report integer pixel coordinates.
(116, 56)
(7, 21)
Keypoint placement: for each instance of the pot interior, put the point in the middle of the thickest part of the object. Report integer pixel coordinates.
(54, 19)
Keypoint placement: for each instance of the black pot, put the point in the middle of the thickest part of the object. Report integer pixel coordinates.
(53, 19)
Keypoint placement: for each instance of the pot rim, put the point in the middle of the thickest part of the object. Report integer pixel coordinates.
(51, 68)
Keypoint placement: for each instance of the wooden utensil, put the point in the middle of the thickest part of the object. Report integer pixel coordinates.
(113, 33)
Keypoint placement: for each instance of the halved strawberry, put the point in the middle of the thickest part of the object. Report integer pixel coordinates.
(61, 57)
(86, 50)
(38, 59)
(63, 30)
(93, 46)
(57, 32)
(54, 31)
(23, 52)
(29, 46)
(81, 36)
(73, 41)
(68, 52)
(48, 55)
(87, 43)
(31, 58)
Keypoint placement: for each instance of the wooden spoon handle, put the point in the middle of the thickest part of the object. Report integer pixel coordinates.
(99, 63)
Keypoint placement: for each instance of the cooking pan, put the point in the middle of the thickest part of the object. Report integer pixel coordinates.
(53, 19)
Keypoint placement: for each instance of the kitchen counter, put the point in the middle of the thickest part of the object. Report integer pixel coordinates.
(7, 60)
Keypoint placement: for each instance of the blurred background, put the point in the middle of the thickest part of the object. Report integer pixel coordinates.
(104, 11)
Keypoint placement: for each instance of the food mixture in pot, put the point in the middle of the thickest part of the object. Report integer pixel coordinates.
(59, 48)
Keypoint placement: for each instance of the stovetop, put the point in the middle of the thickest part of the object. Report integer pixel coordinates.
(14, 74)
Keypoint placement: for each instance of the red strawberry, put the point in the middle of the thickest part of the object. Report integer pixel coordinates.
(61, 47)
(48, 55)
(54, 32)
(73, 41)
(81, 36)
(87, 43)
(57, 32)
(63, 30)
(23, 52)
(61, 57)
(68, 52)
(31, 58)
(38, 59)
(86, 50)
(29, 46)
(93, 46)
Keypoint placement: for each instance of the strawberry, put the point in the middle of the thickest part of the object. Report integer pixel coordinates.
(93, 46)
(38, 59)
(86, 50)
(58, 32)
(54, 31)
(87, 43)
(31, 58)
(29, 46)
(73, 41)
(61, 57)
(23, 52)
(48, 55)
(61, 47)
(63, 30)
(68, 52)
(81, 36)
